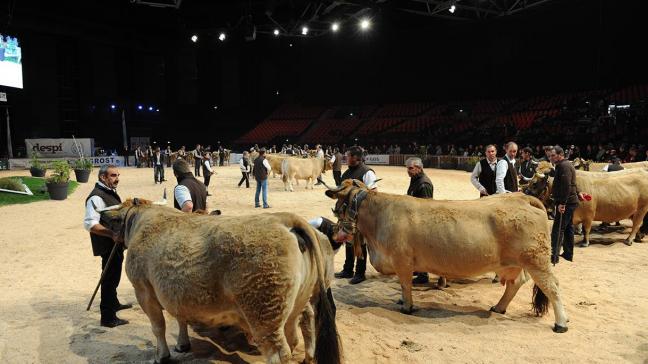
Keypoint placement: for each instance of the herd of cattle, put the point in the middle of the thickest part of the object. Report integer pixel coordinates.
(270, 274)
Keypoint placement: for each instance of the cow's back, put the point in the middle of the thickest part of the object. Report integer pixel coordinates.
(615, 195)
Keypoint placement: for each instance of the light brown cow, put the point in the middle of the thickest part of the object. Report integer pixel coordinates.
(507, 234)
(588, 165)
(307, 169)
(266, 274)
(615, 196)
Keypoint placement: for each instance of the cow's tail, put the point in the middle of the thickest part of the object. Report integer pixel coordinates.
(327, 343)
(540, 301)
(284, 170)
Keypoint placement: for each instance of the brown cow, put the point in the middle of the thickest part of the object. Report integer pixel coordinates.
(506, 234)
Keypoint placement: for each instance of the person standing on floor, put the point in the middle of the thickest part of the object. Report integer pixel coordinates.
(197, 160)
(207, 170)
(190, 194)
(336, 162)
(158, 166)
(261, 170)
(244, 164)
(483, 175)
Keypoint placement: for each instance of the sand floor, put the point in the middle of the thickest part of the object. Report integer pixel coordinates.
(47, 274)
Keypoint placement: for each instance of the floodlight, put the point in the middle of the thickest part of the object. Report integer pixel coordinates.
(335, 27)
(194, 38)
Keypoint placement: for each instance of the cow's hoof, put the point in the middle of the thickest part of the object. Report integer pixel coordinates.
(559, 329)
(165, 360)
(493, 309)
(584, 244)
(182, 348)
(627, 242)
(400, 302)
(409, 311)
(638, 238)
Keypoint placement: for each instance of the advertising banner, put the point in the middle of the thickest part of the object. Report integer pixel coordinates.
(377, 159)
(55, 148)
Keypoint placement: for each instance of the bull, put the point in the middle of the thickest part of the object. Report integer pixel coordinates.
(266, 274)
(615, 196)
(306, 169)
(507, 234)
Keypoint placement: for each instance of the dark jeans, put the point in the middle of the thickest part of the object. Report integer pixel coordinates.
(246, 178)
(361, 265)
(562, 225)
(207, 178)
(158, 173)
(197, 167)
(109, 301)
(337, 176)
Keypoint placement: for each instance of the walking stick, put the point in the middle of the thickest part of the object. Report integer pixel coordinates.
(103, 274)
(556, 252)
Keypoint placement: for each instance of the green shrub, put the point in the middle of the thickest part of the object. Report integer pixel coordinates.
(11, 183)
(83, 163)
(61, 172)
(36, 163)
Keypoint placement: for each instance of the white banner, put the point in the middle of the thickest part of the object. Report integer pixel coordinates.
(377, 159)
(96, 161)
(53, 148)
(235, 158)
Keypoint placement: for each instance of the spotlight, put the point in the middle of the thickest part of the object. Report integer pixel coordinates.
(335, 27)
(216, 107)
(452, 8)
(194, 38)
(113, 107)
(365, 24)
(460, 110)
(277, 92)
(222, 37)
(350, 114)
(291, 44)
(276, 32)
(150, 108)
(157, 110)
(140, 107)
(304, 30)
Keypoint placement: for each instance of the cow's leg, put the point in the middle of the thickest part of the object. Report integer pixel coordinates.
(290, 330)
(548, 284)
(405, 278)
(637, 220)
(153, 309)
(290, 187)
(307, 325)
(587, 228)
(274, 347)
(512, 287)
(183, 344)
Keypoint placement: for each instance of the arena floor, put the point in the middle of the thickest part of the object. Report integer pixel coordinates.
(48, 273)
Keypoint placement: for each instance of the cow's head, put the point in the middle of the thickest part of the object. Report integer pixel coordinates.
(120, 218)
(581, 164)
(349, 195)
(540, 186)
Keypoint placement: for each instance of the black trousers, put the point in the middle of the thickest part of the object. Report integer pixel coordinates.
(158, 173)
(562, 225)
(246, 178)
(109, 301)
(197, 167)
(361, 265)
(207, 178)
(337, 176)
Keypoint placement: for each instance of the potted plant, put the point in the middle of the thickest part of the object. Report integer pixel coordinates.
(57, 182)
(82, 169)
(38, 168)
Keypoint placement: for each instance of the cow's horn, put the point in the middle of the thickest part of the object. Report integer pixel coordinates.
(540, 175)
(115, 207)
(163, 201)
(320, 180)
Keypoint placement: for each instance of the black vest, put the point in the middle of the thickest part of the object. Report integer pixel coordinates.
(102, 245)
(487, 177)
(337, 165)
(356, 172)
(197, 191)
(260, 171)
(417, 182)
(206, 172)
(511, 178)
(614, 167)
(527, 168)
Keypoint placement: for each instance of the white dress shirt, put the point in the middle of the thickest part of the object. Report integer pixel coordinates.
(502, 168)
(92, 217)
(320, 154)
(208, 165)
(181, 194)
(474, 177)
(332, 160)
(267, 165)
(369, 179)
(243, 167)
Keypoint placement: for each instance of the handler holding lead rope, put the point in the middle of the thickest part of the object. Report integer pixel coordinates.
(103, 241)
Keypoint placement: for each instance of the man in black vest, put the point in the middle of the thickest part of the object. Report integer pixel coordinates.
(506, 179)
(158, 166)
(103, 240)
(190, 194)
(528, 165)
(336, 161)
(483, 176)
(261, 169)
(357, 170)
(421, 187)
(197, 154)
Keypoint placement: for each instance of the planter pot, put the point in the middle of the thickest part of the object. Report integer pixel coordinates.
(82, 175)
(57, 191)
(37, 172)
